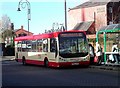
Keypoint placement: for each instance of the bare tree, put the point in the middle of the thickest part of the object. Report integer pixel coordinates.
(6, 29)
(5, 23)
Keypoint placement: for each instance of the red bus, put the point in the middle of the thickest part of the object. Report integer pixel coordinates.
(56, 49)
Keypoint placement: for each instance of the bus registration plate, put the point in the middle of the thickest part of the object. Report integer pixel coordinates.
(75, 63)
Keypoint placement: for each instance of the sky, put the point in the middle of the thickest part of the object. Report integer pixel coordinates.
(43, 13)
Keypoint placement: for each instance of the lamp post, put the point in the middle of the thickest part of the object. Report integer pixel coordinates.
(23, 5)
(65, 15)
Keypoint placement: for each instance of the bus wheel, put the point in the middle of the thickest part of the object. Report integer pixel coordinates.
(23, 60)
(46, 63)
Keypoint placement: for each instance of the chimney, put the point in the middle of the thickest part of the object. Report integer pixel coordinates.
(22, 27)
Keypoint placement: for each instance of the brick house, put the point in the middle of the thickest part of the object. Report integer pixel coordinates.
(22, 32)
(91, 16)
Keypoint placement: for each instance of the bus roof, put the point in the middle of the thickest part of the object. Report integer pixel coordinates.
(43, 36)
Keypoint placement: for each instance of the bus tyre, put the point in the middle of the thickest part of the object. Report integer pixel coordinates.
(23, 60)
(46, 63)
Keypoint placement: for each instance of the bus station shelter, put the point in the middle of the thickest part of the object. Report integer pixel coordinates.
(106, 36)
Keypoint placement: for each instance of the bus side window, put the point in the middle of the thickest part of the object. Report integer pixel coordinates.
(19, 46)
(52, 44)
(32, 46)
(45, 45)
(39, 45)
(26, 46)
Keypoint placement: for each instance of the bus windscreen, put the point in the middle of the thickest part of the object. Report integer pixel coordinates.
(73, 45)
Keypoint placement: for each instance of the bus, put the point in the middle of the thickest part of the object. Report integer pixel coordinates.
(57, 49)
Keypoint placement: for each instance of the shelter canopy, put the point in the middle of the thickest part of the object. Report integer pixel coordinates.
(110, 28)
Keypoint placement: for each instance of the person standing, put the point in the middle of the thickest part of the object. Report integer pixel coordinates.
(92, 54)
(116, 50)
(98, 53)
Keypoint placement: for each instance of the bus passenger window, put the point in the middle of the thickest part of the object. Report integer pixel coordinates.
(26, 46)
(39, 45)
(33, 44)
(19, 46)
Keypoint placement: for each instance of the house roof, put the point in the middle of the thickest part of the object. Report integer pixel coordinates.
(83, 25)
(92, 3)
(21, 29)
(16, 30)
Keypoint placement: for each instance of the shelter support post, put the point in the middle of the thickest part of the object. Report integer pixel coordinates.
(97, 37)
(104, 47)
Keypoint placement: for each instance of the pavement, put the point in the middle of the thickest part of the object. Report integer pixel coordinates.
(115, 67)
(7, 58)
(106, 67)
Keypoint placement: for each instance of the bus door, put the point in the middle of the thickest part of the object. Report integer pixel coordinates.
(53, 48)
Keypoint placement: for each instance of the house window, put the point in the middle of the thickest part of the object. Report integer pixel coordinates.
(22, 34)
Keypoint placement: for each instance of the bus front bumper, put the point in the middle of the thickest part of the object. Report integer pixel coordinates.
(67, 64)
